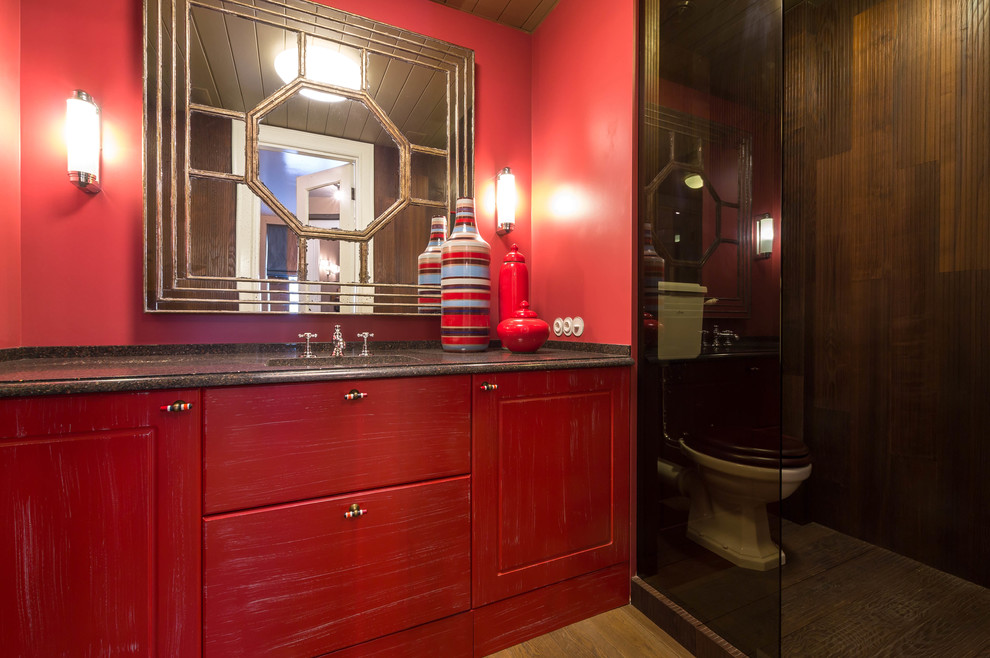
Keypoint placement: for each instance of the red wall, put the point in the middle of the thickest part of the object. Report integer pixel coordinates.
(584, 119)
(10, 212)
(82, 255)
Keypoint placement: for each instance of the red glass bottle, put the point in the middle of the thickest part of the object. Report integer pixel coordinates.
(513, 283)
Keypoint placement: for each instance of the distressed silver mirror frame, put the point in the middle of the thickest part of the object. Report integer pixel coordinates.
(171, 284)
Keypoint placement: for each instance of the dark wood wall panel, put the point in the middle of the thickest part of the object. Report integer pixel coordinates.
(886, 271)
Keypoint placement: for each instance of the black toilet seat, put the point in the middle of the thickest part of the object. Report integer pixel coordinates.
(760, 448)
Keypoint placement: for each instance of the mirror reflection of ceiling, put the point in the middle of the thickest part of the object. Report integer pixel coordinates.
(525, 15)
(233, 67)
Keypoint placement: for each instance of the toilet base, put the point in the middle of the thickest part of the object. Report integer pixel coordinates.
(741, 535)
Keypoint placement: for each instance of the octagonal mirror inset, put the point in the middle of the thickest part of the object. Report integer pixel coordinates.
(344, 148)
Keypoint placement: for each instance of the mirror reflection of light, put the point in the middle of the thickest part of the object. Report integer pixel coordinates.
(329, 268)
(322, 65)
(694, 181)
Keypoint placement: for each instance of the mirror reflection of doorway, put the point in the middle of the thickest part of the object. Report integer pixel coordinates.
(325, 182)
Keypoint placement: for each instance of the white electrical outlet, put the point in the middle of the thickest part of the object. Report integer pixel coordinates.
(558, 327)
(568, 326)
(578, 326)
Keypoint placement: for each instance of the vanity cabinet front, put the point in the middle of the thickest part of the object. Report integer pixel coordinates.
(550, 477)
(310, 577)
(279, 443)
(335, 513)
(99, 529)
(410, 516)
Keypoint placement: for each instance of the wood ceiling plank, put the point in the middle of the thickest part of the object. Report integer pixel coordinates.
(540, 11)
(490, 9)
(517, 13)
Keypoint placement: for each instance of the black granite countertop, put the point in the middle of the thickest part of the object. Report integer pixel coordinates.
(745, 348)
(51, 371)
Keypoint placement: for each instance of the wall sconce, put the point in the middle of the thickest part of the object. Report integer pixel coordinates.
(764, 236)
(505, 201)
(82, 141)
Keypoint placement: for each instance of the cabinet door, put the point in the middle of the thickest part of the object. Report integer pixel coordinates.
(99, 528)
(550, 478)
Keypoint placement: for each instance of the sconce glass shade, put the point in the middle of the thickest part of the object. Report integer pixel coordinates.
(322, 65)
(764, 235)
(82, 141)
(505, 201)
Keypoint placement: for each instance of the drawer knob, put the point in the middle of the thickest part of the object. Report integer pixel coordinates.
(354, 511)
(355, 395)
(177, 406)
(485, 386)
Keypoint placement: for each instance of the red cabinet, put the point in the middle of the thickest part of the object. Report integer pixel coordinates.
(99, 535)
(306, 578)
(426, 516)
(550, 478)
(274, 444)
(334, 518)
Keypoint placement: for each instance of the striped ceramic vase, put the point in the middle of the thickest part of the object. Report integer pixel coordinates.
(429, 267)
(465, 285)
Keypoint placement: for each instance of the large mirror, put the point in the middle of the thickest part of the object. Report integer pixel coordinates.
(295, 155)
(698, 193)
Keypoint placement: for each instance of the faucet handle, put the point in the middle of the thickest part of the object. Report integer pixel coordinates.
(365, 335)
(308, 353)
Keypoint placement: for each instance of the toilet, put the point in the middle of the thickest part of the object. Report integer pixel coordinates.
(737, 472)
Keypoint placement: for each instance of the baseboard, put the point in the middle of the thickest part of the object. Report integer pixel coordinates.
(508, 622)
(677, 622)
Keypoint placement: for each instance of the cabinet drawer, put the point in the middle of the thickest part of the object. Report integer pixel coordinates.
(274, 444)
(302, 579)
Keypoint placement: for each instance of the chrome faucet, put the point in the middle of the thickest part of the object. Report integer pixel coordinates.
(723, 338)
(309, 352)
(339, 345)
(365, 335)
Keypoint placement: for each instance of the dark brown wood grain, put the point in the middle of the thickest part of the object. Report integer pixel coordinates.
(886, 271)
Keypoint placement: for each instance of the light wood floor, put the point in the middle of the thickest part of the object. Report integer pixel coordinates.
(620, 633)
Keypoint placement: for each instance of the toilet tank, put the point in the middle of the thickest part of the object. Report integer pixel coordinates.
(680, 307)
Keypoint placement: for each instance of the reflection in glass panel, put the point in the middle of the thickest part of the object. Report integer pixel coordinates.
(210, 240)
(720, 272)
(224, 65)
(429, 179)
(709, 83)
(210, 147)
(422, 116)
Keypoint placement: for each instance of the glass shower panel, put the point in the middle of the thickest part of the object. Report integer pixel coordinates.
(709, 162)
